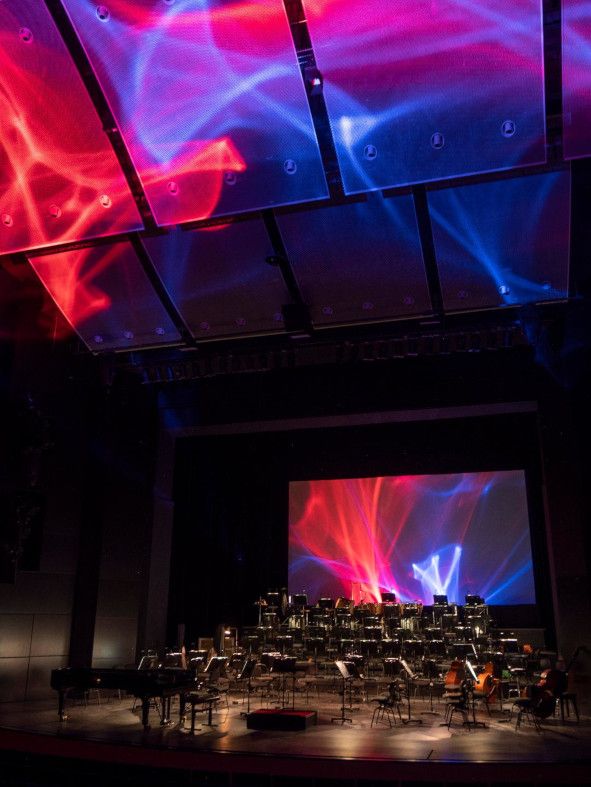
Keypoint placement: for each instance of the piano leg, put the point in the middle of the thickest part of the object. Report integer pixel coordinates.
(146, 712)
(165, 718)
(61, 704)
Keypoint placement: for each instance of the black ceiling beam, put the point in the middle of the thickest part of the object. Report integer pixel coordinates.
(552, 26)
(98, 98)
(427, 242)
(318, 110)
(295, 314)
(160, 289)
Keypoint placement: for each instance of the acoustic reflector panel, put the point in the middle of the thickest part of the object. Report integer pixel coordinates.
(209, 99)
(59, 177)
(576, 77)
(503, 243)
(360, 262)
(429, 89)
(107, 298)
(220, 280)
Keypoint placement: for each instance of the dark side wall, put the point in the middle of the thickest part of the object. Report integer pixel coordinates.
(80, 446)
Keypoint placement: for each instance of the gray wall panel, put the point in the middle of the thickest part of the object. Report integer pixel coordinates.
(51, 635)
(15, 635)
(114, 640)
(39, 676)
(13, 679)
(118, 598)
(36, 592)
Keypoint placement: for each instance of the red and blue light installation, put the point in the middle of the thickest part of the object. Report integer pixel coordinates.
(358, 262)
(416, 536)
(59, 177)
(576, 77)
(219, 280)
(209, 100)
(503, 243)
(106, 297)
(430, 89)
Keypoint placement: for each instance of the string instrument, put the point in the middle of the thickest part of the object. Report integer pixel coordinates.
(486, 684)
(456, 675)
(543, 694)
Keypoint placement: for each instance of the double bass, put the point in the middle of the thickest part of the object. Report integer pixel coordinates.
(543, 694)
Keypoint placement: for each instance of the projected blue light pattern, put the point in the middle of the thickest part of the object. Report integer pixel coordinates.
(576, 77)
(440, 577)
(209, 99)
(427, 90)
(219, 279)
(503, 243)
(358, 262)
(416, 536)
(106, 297)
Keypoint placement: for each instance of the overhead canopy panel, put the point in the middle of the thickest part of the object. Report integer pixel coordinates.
(576, 77)
(429, 89)
(210, 101)
(59, 177)
(107, 298)
(360, 262)
(503, 243)
(219, 279)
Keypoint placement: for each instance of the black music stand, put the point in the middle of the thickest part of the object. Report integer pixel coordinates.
(246, 674)
(286, 665)
(408, 677)
(431, 669)
(343, 668)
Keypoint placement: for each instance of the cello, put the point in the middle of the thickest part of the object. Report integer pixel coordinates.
(540, 698)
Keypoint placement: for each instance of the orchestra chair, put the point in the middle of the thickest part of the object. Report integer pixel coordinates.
(214, 678)
(386, 705)
(565, 698)
(464, 705)
(535, 708)
(568, 699)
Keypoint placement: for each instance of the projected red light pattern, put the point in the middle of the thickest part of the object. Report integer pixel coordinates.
(415, 536)
(59, 178)
(105, 295)
(209, 100)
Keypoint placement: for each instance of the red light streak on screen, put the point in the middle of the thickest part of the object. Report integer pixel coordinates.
(363, 532)
(59, 177)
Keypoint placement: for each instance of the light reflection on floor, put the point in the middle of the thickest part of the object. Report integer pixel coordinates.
(500, 741)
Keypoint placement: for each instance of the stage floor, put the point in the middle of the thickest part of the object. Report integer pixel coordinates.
(112, 732)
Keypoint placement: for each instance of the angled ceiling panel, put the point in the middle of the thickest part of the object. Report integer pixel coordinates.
(430, 89)
(576, 77)
(59, 178)
(107, 298)
(503, 243)
(219, 279)
(360, 262)
(210, 101)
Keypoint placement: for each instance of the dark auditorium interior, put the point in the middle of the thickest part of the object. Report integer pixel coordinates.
(295, 343)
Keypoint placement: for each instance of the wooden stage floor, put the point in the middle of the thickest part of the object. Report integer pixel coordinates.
(498, 753)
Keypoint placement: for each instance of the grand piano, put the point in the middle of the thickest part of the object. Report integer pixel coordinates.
(145, 684)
